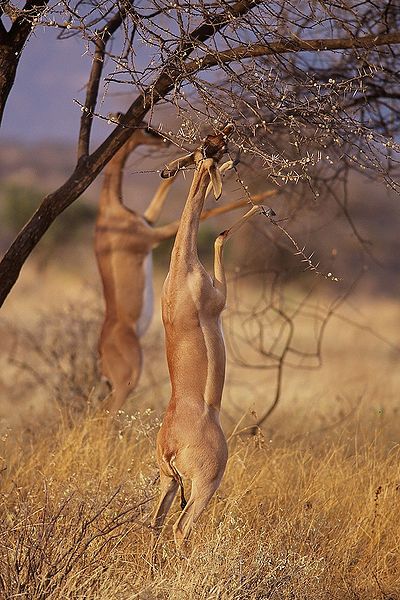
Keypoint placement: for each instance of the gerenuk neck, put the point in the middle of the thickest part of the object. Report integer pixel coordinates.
(186, 237)
(111, 193)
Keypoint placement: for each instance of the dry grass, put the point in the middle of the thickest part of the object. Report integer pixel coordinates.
(289, 521)
(307, 510)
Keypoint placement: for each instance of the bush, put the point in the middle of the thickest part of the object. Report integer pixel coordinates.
(57, 359)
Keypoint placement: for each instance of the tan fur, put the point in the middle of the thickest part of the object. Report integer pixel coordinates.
(191, 441)
(124, 241)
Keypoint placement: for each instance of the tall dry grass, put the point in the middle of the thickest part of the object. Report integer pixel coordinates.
(308, 509)
(296, 520)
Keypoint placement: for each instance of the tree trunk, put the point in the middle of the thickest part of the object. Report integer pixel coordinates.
(12, 43)
(9, 59)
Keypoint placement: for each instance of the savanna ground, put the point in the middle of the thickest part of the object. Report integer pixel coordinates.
(308, 507)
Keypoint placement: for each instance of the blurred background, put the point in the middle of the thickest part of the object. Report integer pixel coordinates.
(344, 335)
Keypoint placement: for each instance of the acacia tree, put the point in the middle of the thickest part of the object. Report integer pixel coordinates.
(311, 86)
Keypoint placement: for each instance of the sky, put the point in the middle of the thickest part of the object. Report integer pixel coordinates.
(50, 75)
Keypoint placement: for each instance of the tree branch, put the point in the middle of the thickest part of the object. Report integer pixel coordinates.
(93, 85)
(172, 73)
(213, 59)
(12, 43)
(23, 24)
(87, 170)
(3, 30)
(215, 23)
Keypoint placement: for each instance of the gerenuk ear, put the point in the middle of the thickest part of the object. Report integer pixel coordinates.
(216, 180)
(225, 167)
(180, 163)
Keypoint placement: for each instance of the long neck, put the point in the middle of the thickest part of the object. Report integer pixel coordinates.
(186, 237)
(111, 193)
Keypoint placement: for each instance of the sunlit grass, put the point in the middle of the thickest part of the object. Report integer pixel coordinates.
(289, 520)
(307, 509)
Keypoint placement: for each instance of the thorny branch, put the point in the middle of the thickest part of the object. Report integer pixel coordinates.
(310, 87)
(34, 563)
(261, 329)
(93, 85)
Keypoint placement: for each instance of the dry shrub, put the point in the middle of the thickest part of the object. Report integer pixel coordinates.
(289, 521)
(57, 359)
(54, 364)
(68, 503)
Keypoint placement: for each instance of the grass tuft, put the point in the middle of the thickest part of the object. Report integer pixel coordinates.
(289, 520)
